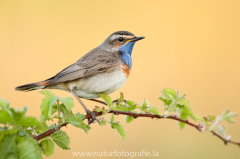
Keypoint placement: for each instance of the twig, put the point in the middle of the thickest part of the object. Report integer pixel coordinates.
(135, 115)
(50, 131)
(225, 140)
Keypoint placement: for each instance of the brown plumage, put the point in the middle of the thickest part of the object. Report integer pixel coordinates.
(94, 62)
(103, 70)
(101, 59)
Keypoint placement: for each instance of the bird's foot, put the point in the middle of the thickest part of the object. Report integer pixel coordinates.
(92, 113)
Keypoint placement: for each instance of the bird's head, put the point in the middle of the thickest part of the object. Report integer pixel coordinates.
(121, 40)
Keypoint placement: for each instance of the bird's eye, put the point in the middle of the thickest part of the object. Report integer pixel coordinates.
(120, 39)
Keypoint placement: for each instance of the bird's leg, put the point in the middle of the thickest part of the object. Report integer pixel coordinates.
(101, 102)
(85, 108)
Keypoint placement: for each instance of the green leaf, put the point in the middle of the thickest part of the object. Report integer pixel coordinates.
(129, 118)
(228, 116)
(46, 106)
(80, 116)
(6, 117)
(98, 110)
(198, 117)
(182, 96)
(28, 149)
(3, 128)
(102, 122)
(221, 130)
(52, 102)
(61, 139)
(225, 112)
(8, 147)
(106, 98)
(145, 104)
(167, 96)
(42, 127)
(77, 122)
(131, 104)
(4, 105)
(188, 112)
(120, 130)
(186, 109)
(64, 110)
(111, 119)
(215, 124)
(7, 131)
(42, 119)
(213, 127)
(166, 101)
(68, 102)
(28, 122)
(123, 109)
(58, 116)
(180, 106)
(47, 93)
(18, 114)
(184, 102)
(48, 147)
(182, 124)
(121, 98)
(54, 108)
(171, 92)
(154, 110)
(212, 117)
(50, 126)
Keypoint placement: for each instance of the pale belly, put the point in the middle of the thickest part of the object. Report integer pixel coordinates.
(101, 83)
(89, 88)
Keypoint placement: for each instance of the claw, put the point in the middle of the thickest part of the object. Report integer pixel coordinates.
(93, 117)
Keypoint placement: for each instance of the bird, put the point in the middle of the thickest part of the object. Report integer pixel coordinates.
(102, 70)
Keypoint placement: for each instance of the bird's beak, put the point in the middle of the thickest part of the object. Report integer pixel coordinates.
(137, 38)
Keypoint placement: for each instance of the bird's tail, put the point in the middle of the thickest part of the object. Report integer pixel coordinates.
(33, 86)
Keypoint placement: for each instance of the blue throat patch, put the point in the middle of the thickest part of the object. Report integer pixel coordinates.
(126, 53)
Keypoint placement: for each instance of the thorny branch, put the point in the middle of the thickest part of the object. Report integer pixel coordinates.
(50, 131)
(136, 115)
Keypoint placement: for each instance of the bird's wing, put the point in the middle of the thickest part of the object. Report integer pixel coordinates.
(92, 63)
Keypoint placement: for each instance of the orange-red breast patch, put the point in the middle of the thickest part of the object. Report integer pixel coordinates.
(125, 70)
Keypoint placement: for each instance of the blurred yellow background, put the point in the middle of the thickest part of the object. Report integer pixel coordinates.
(192, 46)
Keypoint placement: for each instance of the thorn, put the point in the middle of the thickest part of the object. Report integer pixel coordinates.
(130, 112)
(152, 117)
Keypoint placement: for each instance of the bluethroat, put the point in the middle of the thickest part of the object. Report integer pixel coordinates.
(103, 70)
